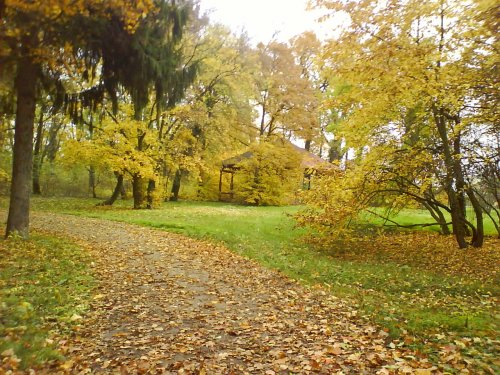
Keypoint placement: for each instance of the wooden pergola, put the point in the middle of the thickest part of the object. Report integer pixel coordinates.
(310, 163)
(231, 166)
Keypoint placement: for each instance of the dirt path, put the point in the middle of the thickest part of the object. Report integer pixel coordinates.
(168, 304)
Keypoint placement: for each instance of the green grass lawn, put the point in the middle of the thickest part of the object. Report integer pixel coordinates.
(45, 284)
(409, 216)
(412, 303)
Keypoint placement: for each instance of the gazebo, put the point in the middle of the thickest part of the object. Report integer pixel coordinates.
(310, 163)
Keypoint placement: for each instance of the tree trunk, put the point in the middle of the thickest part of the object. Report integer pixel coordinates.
(138, 191)
(137, 180)
(123, 192)
(37, 190)
(442, 223)
(478, 239)
(457, 219)
(176, 186)
(116, 191)
(92, 181)
(150, 191)
(451, 163)
(37, 159)
(438, 216)
(460, 182)
(52, 147)
(263, 119)
(22, 165)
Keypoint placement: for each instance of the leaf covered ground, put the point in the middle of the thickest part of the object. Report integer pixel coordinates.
(431, 295)
(168, 304)
(429, 251)
(45, 284)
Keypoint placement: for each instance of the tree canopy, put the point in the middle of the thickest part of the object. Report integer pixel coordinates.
(415, 107)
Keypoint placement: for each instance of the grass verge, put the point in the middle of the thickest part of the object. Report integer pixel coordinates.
(45, 284)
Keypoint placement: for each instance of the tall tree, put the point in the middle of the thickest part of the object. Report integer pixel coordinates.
(285, 96)
(38, 36)
(306, 48)
(150, 64)
(216, 112)
(415, 77)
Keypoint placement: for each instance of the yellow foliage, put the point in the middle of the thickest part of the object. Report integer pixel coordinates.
(45, 17)
(332, 203)
(4, 180)
(271, 176)
(115, 147)
(413, 86)
(287, 100)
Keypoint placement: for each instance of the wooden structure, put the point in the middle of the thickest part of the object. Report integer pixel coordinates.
(309, 162)
(231, 166)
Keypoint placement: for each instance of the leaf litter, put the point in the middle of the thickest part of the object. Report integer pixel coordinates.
(167, 304)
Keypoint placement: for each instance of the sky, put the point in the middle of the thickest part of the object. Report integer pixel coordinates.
(263, 18)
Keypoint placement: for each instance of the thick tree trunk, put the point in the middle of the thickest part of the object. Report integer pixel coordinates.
(116, 191)
(138, 191)
(22, 165)
(457, 219)
(460, 183)
(176, 186)
(37, 157)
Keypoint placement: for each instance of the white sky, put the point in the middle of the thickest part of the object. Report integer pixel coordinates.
(262, 18)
